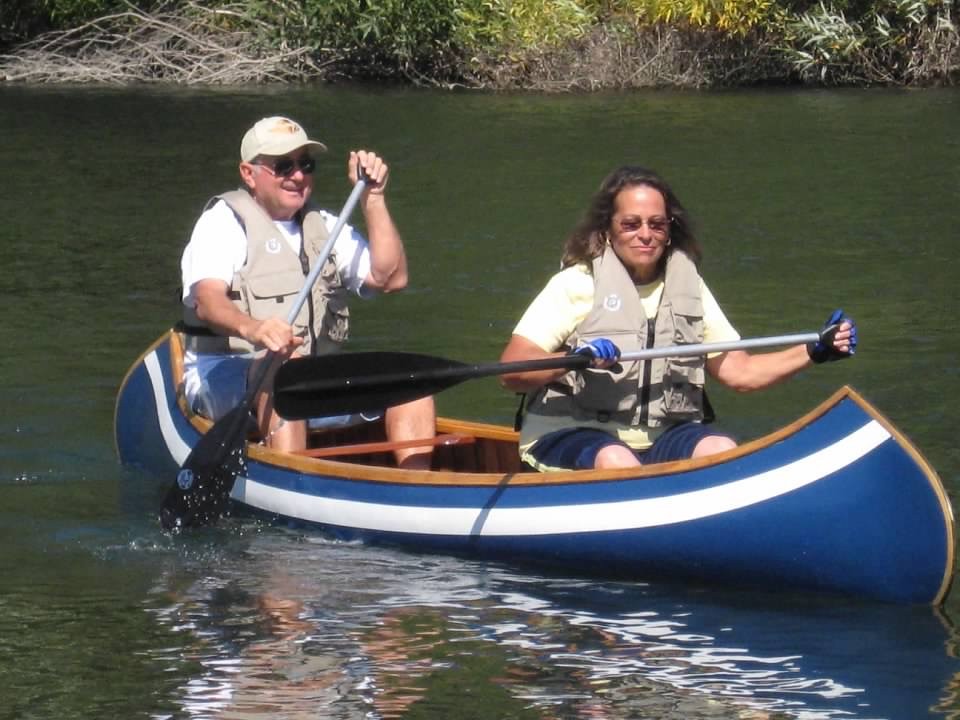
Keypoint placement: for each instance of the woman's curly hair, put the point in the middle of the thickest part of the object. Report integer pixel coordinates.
(589, 237)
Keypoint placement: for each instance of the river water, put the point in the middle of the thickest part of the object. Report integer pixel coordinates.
(805, 201)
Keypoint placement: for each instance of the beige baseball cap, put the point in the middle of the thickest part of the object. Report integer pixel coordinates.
(275, 136)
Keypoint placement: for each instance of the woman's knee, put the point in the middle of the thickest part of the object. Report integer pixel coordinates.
(713, 444)
(615, 456)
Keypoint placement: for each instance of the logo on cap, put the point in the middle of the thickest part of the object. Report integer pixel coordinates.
(283, 125)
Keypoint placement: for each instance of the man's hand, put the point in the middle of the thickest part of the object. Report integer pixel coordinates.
(274, 334)
(376, 170)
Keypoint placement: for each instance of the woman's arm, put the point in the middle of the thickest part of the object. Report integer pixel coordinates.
(741, 371)
(520, 348)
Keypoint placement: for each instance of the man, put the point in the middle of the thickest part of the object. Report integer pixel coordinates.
(247, 259)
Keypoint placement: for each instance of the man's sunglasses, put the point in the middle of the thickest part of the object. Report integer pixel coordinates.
(285, 166)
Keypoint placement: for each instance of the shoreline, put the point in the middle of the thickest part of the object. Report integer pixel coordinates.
(194, 47)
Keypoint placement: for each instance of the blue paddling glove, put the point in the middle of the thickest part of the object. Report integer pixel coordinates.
(599, 349)
(823, 350)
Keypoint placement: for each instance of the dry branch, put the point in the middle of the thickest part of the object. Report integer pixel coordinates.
(194, 45)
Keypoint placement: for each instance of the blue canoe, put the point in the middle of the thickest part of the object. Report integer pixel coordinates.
(838, 501)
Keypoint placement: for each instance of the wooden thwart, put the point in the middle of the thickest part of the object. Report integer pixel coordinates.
(386, 446)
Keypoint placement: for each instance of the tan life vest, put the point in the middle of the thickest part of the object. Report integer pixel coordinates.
(654, 392)
(272, 277)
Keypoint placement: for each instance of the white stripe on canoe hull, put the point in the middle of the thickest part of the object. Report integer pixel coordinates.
(558, 519)
(546, 520)
(179, 449)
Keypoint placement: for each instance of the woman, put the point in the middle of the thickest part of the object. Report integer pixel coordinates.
(630, 280)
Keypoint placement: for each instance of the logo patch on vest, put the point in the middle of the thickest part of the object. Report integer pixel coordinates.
(612, 302)
(273, 246)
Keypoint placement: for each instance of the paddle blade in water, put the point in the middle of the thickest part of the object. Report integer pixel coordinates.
(359, 382)
(200, 493)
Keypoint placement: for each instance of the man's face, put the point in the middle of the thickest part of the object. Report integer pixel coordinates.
(281, 184)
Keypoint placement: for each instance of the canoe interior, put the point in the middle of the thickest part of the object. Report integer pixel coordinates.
(472, 447)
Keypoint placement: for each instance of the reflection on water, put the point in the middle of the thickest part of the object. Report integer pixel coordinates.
(297, 627)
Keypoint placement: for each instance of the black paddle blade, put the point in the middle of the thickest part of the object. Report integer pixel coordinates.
(360, 382)
(202, 487)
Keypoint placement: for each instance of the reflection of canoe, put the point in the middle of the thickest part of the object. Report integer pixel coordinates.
(791, 656)
(587, 647)
(838, 501)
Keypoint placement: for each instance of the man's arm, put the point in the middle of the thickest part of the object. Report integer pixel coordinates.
(213, 306)
(388, 259)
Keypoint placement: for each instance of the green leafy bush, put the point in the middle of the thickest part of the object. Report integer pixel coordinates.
(371, 38)
(23, 19)
(897, 41)
(547, 43)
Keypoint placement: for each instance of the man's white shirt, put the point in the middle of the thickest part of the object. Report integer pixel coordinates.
(218, 249)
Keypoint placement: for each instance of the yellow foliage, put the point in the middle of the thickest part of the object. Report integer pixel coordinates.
(550, 21)
(736, 17)
(529, 23)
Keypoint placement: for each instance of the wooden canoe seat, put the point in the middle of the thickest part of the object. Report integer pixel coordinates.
(386, 446)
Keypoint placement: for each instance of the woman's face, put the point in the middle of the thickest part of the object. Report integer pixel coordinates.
(640, 230)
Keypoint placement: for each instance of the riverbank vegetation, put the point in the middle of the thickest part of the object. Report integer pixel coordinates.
(494, 44)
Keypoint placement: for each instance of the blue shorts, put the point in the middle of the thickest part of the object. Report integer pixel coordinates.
(577, 448)
(225, 384)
